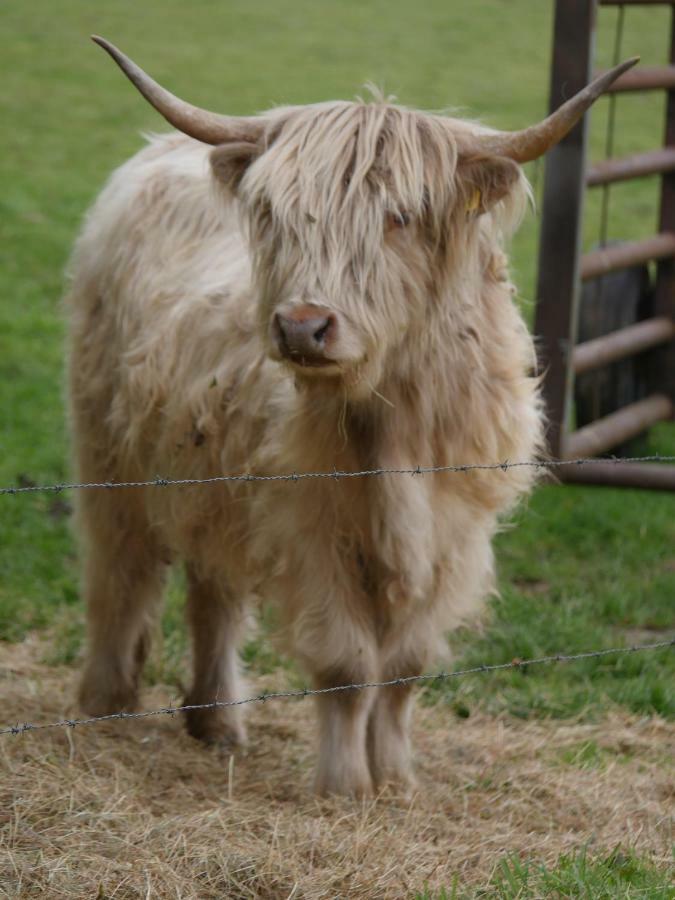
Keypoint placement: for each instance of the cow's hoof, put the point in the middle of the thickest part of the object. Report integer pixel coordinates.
(216, 729)
(96, 699)
(399, 786)
(355, 784)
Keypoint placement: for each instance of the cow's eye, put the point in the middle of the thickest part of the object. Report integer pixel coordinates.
(398, 219)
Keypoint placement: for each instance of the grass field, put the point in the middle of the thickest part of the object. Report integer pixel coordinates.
(583, 568)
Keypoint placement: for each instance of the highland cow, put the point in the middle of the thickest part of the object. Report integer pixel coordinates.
(326, 288)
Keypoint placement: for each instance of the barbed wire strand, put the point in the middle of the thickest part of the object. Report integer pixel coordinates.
(336, 474)
(311, 692)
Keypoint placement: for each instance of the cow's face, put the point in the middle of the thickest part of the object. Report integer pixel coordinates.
(359, 214)
(352, 213)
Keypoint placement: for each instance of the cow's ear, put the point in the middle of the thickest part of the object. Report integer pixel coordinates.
(484, 181)
(230, 162)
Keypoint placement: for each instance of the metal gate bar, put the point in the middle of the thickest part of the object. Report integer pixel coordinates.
(562, 267)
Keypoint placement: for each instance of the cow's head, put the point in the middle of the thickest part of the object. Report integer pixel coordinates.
(355, 212)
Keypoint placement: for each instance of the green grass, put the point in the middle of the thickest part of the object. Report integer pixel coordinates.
(617, 876)
(580, 569)
(584, 568)
(590, 755)
(614, 877)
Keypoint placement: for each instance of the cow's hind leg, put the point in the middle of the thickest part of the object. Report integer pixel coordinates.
(122, 586)
(216, 622)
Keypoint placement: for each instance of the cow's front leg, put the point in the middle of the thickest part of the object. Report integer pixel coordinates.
(331, 627)
(405, 653)
(389, 748)
(343, 722)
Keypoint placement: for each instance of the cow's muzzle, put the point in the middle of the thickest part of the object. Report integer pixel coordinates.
(305, 335)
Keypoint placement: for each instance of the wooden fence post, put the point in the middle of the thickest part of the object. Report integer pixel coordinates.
(562, 209)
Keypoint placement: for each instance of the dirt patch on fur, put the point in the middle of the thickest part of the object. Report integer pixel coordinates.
(138, 809)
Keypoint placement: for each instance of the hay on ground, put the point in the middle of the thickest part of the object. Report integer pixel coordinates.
(138, 809)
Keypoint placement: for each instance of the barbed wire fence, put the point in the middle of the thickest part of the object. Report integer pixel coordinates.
(516, 663)
(356, 686)
(336, 474)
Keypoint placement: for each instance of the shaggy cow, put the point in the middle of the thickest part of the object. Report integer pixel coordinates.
(326, 288)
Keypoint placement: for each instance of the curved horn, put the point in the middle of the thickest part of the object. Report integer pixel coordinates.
(209, 127)
(533, 142)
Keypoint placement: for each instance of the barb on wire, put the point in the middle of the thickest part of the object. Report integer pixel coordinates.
(515, 663)
(158, 481)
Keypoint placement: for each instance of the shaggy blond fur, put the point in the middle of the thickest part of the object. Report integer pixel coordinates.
(379, 215)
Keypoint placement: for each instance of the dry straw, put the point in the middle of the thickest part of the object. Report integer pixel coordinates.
(145, 811)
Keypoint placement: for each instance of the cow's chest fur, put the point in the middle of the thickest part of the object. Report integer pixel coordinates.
(374, 538)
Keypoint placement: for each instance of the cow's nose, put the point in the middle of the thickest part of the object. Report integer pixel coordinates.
(304, 338)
